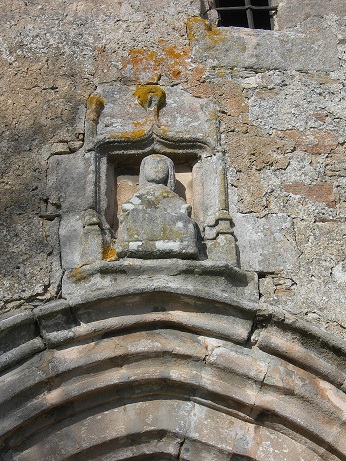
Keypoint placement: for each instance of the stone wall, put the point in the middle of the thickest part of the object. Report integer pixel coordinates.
(281, 117)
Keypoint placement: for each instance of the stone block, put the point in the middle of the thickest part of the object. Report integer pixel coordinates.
(218, 280)
(223, 248)
(322, 192)
(71, 183)
(263, 49)
(265, 244)
(19, 338)
(158, 291)
(294, 12)
(80, 239)
(55, 321)
(166, 239)
(185, 116)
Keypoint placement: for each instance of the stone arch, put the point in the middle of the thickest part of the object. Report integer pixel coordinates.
(198, 391)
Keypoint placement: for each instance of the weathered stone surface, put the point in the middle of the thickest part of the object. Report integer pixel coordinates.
(317, 289)
(318, 192)
(281, 112)
(294, 12)
(71, 184)
(226, 283)
(230, 387)
(80, 239)
(262, 249)
(316, 106)
(19, 338)
(228, 47)
(120, 113)
(25, 264)
(133, 416)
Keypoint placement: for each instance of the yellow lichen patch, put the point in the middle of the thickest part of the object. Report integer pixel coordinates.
(150, 94)
(135, 134)
(95, 105)
(197, 28)
(76, 274)
(165, 131)
(109, 253)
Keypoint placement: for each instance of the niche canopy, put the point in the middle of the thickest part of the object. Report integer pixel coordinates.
(146, 117)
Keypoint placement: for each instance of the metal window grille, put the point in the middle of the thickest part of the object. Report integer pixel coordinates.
(254, 14)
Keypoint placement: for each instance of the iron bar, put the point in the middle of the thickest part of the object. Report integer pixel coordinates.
(250, 11)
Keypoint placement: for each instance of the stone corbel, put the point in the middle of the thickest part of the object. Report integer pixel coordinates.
(219, 238)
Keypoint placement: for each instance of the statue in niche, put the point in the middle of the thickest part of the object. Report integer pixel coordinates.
(155, 222)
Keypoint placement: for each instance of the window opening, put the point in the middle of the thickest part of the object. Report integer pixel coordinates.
(253, 14)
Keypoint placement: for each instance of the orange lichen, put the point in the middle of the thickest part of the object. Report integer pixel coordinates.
(95, 105)
(109, 253)
(175, 59)
(135, 134)
(76, 273)
(143, 64)
(140, 56)
(149, 65)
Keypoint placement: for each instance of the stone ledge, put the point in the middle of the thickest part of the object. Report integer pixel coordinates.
(106, 279)
(262, 49)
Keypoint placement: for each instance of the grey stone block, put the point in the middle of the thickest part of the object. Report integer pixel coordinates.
(265, 244)
(71, 183)
(183, 117)
(19, 338)
(263, 49)
(80, 239)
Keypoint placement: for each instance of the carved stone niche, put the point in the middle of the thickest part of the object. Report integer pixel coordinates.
(125, 125)
(142, 207)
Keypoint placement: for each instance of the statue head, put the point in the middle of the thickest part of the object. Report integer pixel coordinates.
(157, 169)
